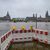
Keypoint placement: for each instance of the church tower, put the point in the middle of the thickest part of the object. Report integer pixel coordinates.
(33, 15)
(7, 13)
(7, 17)
(46, 14)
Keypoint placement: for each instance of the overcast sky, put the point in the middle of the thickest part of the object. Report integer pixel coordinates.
(24, 8)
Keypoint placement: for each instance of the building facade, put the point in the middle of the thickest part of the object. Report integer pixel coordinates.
(31, 18)
(5, 18)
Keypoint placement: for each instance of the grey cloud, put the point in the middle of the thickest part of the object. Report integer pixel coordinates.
(23, 8)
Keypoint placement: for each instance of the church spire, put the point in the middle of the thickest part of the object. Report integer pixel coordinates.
(7, 14)
(33, 15)
(46, 14)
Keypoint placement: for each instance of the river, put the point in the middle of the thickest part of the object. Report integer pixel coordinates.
(6, 26)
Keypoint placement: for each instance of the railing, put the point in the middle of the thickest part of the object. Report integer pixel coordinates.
(41, 35)
(24, 35)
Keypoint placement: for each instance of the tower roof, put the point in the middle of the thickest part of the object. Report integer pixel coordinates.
(7, 14)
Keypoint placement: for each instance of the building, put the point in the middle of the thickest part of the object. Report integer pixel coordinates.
(5, 18)
(47, 17)
(31, 18)
(22, 19)
(39, 19)
(18, 19)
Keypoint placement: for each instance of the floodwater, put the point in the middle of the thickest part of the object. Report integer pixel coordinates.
(6, 26)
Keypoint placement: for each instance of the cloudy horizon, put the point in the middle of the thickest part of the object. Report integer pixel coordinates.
(24, 8)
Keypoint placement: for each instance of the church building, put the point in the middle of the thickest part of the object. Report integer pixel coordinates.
(5, 18)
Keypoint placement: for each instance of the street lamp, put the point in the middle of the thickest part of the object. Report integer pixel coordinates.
(36, 21)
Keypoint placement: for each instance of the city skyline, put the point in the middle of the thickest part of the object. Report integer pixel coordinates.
(24, 8)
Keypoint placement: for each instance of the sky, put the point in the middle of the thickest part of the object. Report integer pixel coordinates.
(24, 8)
